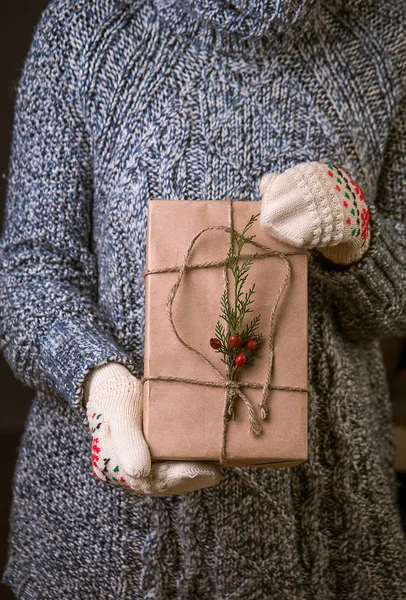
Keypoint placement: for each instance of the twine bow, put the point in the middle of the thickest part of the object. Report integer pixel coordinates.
(232, 387)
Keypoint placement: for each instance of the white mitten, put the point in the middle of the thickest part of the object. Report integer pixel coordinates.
(120, 454)
(316, 205)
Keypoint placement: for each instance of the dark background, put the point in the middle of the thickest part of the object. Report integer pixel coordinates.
(17, 22)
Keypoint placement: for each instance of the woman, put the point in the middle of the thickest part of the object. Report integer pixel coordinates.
(121, 101)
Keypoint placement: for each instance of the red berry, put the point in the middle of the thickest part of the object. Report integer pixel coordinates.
(235, 340)
(240, 360)
(251, 344)
(215, 343)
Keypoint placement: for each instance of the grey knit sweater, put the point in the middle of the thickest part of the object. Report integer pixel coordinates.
(119, 102)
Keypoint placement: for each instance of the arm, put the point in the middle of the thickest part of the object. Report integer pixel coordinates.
(51, 331)
(369, 295)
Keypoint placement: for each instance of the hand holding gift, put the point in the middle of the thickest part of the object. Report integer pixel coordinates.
(120, 455)
(316, 205)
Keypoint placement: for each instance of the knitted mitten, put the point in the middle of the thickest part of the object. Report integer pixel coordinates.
(316, 205)
(120, 454)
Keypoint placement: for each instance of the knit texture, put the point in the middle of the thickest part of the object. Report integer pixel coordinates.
(113, 400)
(120, 455)
(316, 205)
(120, 102)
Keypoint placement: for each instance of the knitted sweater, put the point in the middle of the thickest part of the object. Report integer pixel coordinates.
(121, 101)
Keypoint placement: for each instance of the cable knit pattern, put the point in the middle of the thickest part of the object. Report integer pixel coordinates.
(122, 101)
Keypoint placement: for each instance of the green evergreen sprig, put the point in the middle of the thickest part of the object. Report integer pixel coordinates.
(234, 314)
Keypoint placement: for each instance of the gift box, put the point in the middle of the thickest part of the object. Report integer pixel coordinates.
(192, 410)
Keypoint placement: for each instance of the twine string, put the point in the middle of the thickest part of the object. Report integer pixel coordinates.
(230, 395)
(232, 387)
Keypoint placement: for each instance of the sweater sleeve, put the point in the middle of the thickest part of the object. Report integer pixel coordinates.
(369, 296)
(51, 329)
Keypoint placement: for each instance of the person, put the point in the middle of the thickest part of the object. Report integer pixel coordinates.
(120, 101)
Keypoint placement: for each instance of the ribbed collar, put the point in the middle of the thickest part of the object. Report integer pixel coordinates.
(247, 28)
(248, 18)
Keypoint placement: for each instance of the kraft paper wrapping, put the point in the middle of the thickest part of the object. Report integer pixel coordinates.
(183, 421)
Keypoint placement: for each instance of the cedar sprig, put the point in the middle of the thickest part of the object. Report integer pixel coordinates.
(234, 315)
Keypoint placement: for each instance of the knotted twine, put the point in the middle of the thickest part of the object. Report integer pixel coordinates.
(232, 387)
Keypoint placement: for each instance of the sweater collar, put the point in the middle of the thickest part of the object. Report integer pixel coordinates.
(252, 30)
(246, 18)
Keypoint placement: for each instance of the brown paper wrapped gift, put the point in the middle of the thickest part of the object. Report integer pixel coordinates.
(187, 420)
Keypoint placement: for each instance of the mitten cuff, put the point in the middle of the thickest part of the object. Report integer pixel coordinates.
(348, 252)
(107, 377)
